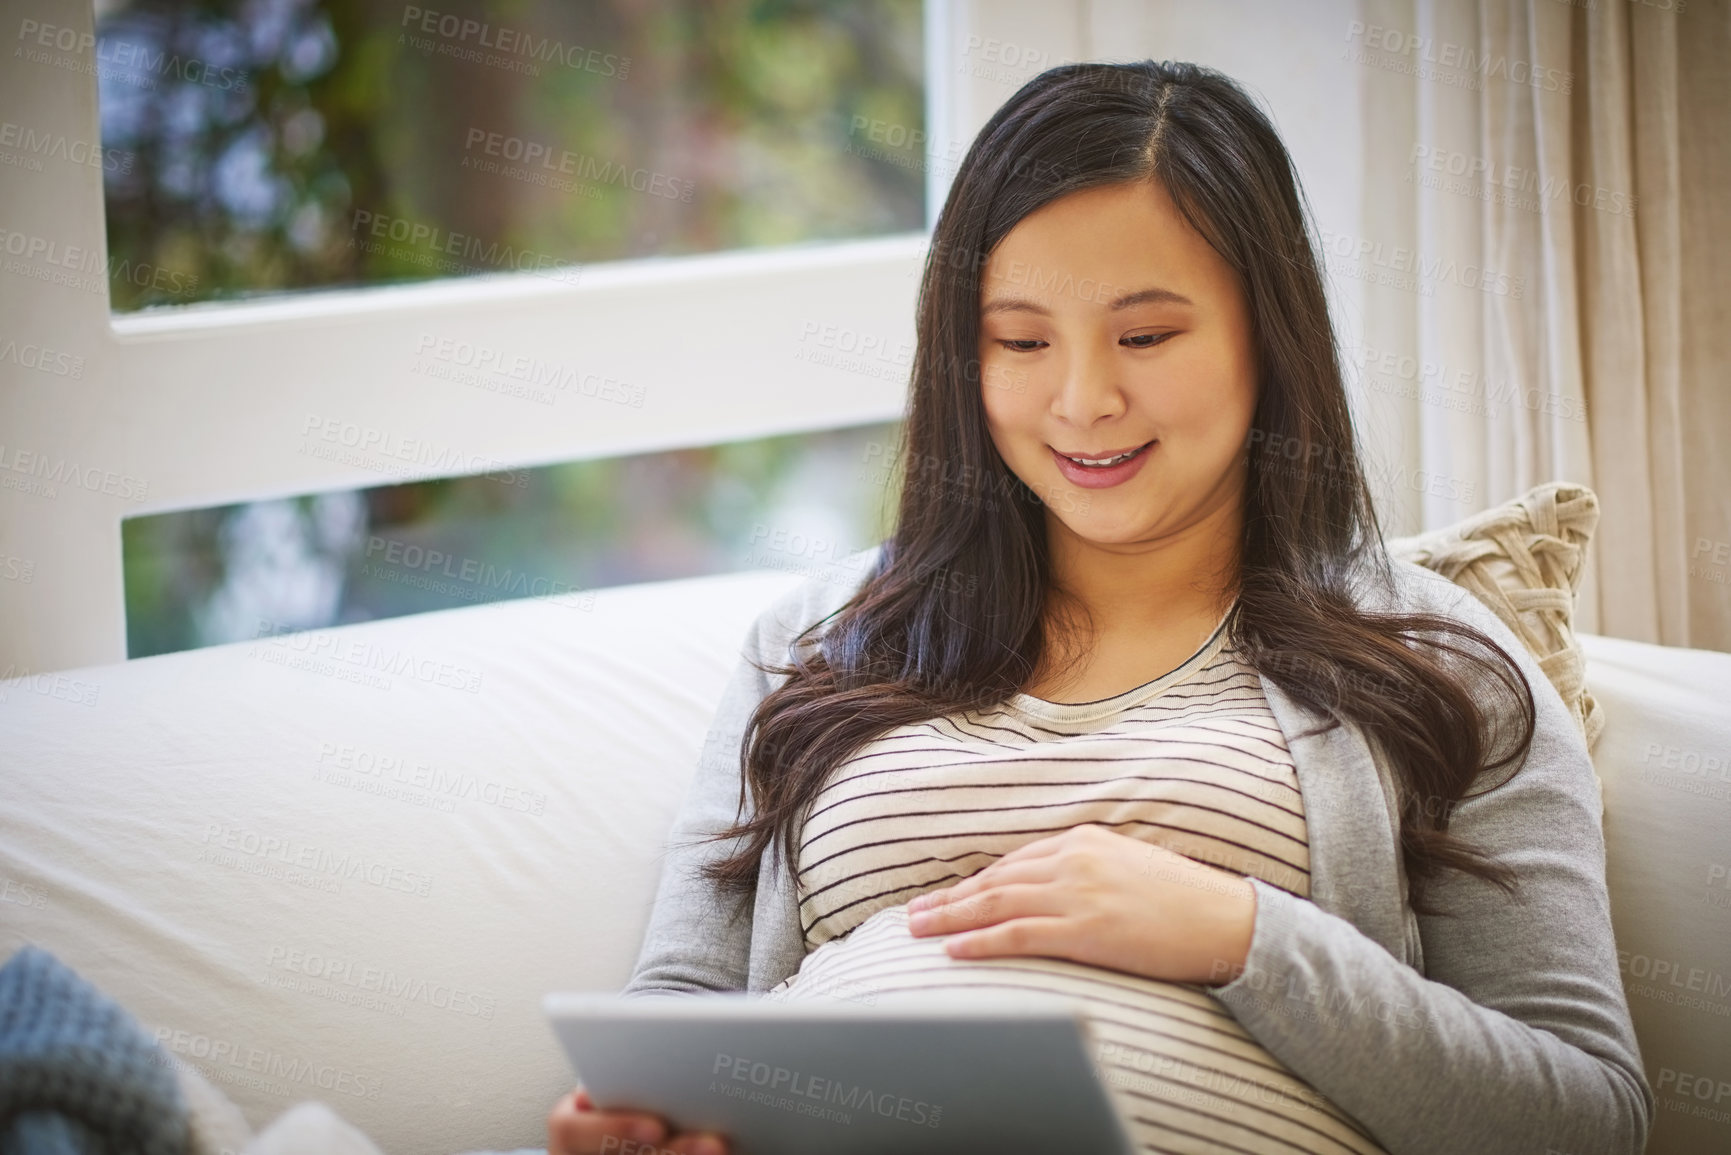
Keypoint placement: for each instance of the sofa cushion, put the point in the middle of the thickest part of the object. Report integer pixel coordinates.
(1523, 559)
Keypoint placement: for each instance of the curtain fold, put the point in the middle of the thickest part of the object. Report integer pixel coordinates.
(1566, 167)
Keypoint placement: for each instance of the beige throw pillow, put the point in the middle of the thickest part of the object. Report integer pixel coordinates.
(1523, 559)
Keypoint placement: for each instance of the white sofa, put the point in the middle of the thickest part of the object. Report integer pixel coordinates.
(346, 865)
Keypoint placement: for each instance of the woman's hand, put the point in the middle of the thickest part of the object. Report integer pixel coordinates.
(575, 1127)
(1096, 897)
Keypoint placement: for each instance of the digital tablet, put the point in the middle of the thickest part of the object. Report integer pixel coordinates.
(933, 1073)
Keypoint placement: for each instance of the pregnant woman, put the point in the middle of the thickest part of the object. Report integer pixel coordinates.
(1133, 706)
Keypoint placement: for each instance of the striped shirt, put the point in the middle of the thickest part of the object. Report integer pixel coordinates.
(1193, 762)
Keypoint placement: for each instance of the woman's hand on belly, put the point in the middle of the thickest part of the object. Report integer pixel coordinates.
(1100, 898)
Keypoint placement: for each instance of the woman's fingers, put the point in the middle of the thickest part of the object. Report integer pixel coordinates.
(999, 873)
(1008, 899)
(1040, 849)
(1053, 937)
(575, 1127)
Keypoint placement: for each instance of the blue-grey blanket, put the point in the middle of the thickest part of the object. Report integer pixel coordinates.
(78, 1074)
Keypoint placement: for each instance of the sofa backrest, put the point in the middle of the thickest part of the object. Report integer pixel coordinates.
(347, 864)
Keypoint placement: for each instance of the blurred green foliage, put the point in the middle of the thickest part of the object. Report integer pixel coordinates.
(287, 129)
(799, 503)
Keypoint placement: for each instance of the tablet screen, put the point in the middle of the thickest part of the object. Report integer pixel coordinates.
(938, 1073)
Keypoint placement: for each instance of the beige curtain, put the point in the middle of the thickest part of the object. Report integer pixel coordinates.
(1562, 175)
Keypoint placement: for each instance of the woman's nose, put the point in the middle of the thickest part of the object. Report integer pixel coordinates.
(1087, 388)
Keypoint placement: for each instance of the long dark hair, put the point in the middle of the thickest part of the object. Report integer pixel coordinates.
(950, 616)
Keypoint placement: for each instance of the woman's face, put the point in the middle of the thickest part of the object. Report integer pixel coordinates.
(1107, 324)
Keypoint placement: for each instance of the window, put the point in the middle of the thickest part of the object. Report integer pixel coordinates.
(285, 144)
(800, 503)
(168, 269)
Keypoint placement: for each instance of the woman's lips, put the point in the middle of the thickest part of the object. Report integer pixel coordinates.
(1103, 477)
(1107, 455)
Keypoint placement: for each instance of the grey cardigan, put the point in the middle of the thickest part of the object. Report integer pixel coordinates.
(1499, 1028)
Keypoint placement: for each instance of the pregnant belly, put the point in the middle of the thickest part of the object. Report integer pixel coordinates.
(1186, 1075)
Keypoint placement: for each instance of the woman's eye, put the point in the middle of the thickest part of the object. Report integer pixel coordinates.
(1136, 341)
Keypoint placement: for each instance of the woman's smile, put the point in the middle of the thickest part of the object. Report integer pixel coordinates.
(1121, 470)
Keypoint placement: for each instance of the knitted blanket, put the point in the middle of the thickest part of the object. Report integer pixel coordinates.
(78, 1074)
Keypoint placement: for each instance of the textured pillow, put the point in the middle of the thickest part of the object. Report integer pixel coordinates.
(1523, 559)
